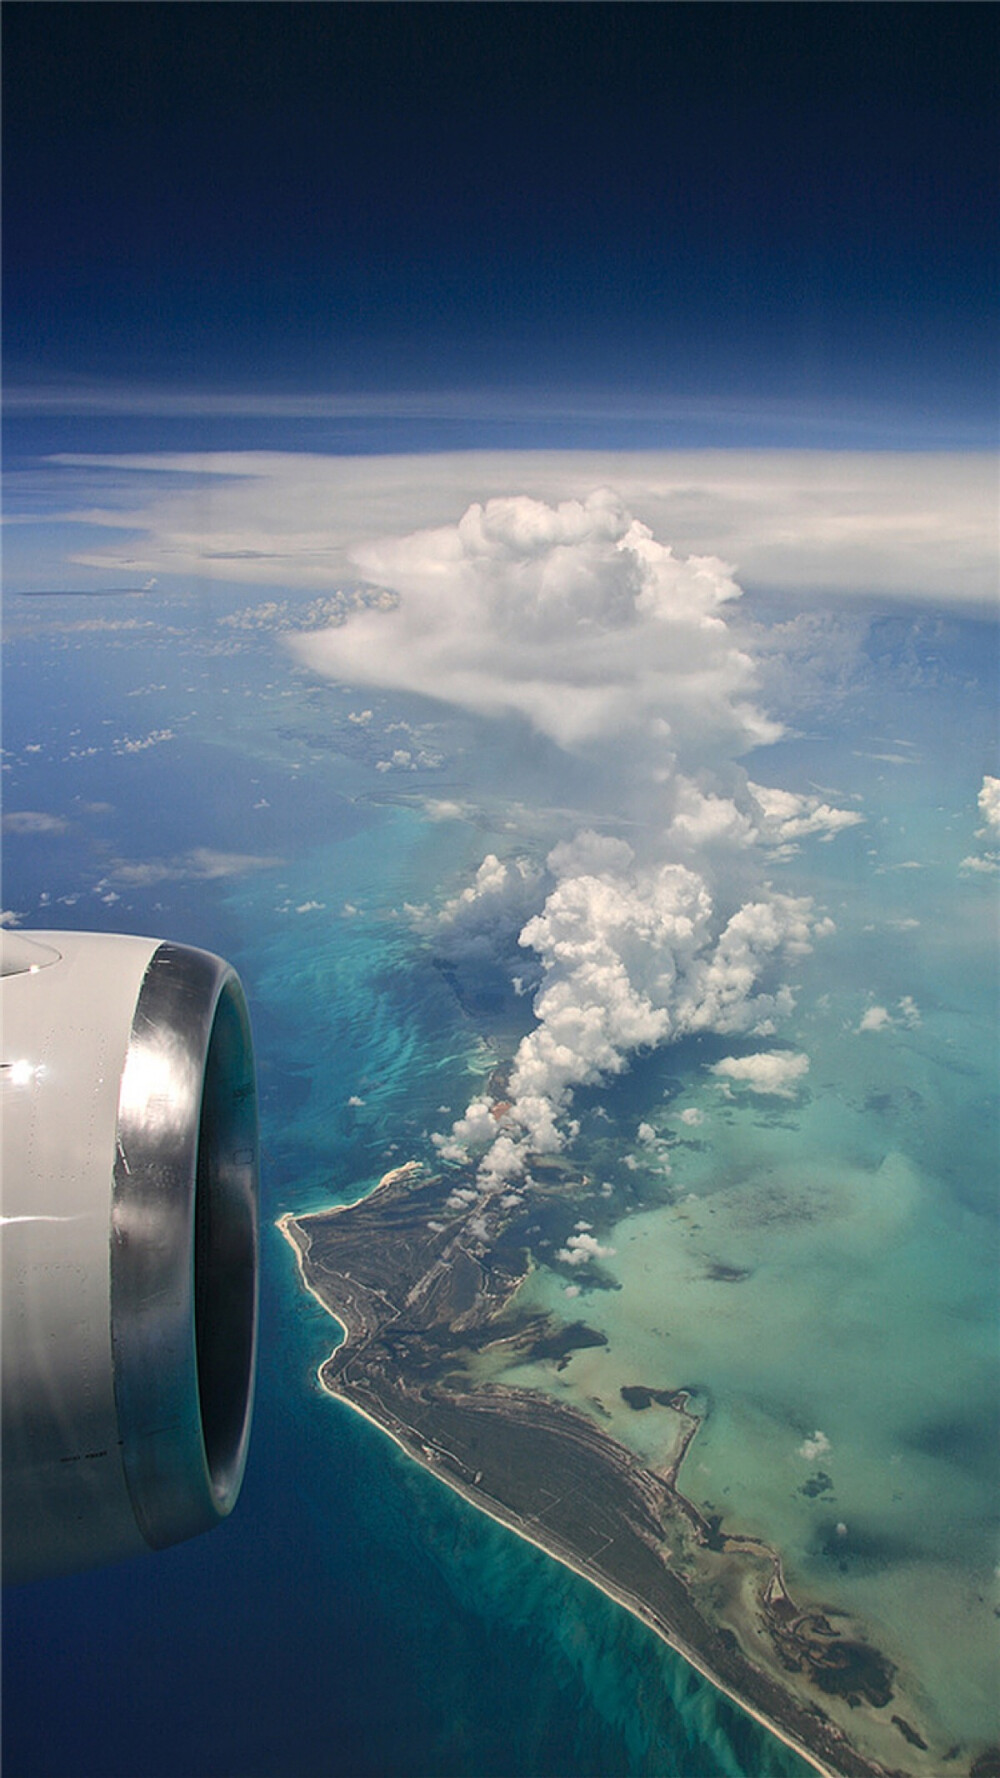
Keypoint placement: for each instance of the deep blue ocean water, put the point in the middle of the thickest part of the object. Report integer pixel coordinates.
(354, 1618)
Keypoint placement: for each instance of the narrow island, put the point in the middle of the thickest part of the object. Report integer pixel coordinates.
(424, 1279)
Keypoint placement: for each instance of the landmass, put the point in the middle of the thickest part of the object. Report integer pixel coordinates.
(424, 1277)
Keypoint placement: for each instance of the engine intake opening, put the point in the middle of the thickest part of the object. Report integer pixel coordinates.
(184, 1246)
(225, 1245)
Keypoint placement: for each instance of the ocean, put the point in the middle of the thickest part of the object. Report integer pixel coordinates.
(355, 1618)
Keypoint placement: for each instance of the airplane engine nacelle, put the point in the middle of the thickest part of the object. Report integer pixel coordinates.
(129, 1265)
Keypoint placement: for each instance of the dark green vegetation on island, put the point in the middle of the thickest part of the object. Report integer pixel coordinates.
(425, 1284)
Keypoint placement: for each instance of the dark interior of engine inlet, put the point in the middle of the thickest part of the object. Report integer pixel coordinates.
(225, 1256)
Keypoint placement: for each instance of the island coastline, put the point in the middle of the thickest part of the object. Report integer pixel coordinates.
(395, 1370)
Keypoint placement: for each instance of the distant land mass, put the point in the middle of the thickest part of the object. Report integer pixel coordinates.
(427, 1294)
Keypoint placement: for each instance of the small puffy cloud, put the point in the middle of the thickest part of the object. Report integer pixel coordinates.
(130, 744)
(774, 1072)
(479, 1123)
(310, 907)
(461, 1198)
(450, 1150)
(34, 822)
(815, 1447)
(989, 805)
(986, 863)
(789, 816)
(505, 1160)
(581, 1249)
(706, 821)
(692, 1116)
(879, 1018)
(355, 1100)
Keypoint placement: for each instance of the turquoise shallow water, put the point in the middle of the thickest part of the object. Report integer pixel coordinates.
(354, 1617)
(854, 1344)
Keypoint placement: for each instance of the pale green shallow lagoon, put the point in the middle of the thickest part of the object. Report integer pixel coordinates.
(863, 1317)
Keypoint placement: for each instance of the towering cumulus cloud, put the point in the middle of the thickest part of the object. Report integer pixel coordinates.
(575, 618)
(631, 957)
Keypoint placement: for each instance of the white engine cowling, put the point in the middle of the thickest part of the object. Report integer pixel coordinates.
(130, 1240)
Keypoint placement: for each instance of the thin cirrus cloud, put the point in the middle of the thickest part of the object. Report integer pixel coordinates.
(202, 864)
(910, 526)
(34, 822)
(719, 419)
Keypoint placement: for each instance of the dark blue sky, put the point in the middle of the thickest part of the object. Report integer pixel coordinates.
(776, 204)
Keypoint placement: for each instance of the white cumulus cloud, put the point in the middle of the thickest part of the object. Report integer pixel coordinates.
(631, 956)
(879, 1018)
(775, 1072)
(571, 615)
(582, 1248)
(815, 1447)
(789, 816)
(989, 804)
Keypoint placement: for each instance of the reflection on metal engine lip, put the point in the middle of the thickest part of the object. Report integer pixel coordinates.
(184, 1245)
